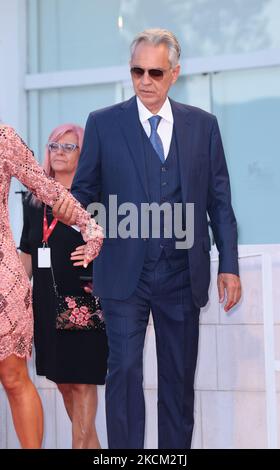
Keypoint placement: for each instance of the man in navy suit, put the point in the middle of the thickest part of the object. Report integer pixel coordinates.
(151, 149)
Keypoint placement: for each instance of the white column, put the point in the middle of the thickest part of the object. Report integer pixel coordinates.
(269, 351)
(13, 108)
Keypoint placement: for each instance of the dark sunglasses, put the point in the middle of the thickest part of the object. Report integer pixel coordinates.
(67, 148)
(155, 74)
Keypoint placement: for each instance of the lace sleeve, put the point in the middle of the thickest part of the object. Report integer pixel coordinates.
(20, 162)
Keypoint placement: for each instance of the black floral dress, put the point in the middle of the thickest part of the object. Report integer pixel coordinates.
(61, 356)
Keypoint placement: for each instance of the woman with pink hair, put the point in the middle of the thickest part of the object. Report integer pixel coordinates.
(75, 360)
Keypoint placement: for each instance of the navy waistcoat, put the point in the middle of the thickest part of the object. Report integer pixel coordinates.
(164, 186)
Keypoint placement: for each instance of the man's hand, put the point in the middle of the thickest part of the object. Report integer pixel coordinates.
(229, 283)
(65, 211)
(78, 256)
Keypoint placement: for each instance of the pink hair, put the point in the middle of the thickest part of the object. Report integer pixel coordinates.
(55, 135)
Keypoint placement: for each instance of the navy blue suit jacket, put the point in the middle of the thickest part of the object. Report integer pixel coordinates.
(112, 162)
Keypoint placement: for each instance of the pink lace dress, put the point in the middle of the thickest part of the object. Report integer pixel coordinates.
(16, 318)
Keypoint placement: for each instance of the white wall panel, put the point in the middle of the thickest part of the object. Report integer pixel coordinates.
(233, 420)
(62, 424)
(3, 419)
(206, 373)
(240, 357)
(48, 397)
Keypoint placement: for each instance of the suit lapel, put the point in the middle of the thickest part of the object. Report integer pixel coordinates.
(184, 139)
(131, 129)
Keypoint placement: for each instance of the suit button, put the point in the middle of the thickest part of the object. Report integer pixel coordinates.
(163, 169)
(144, 239)
(161, 246)
(164, 183)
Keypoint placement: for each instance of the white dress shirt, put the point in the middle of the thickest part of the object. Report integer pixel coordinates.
(165, 127)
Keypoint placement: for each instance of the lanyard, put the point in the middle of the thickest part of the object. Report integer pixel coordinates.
(47, 230)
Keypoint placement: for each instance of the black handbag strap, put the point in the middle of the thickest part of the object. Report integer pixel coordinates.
(54, 283)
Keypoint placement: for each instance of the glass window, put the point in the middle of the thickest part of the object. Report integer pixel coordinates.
(193, 90)
(67, 34)
(247, 104)
(50, 108)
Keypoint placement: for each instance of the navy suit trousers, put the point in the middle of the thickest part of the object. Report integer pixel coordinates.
(166, 292)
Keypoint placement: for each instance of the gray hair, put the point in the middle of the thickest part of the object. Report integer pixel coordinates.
(158, 36)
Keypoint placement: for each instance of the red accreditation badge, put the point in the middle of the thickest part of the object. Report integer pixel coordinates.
(44, 253)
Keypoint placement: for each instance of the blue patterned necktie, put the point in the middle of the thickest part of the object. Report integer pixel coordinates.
(155, 138)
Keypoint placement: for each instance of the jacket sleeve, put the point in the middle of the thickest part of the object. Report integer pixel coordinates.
(86, 185)
(219, 207)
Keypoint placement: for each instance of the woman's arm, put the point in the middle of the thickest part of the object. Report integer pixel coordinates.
(20, 162)
(27, 263)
